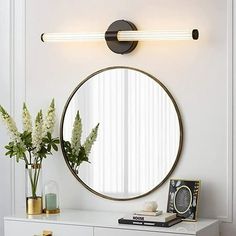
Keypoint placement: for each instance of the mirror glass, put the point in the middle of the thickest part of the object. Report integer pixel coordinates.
(139, 137)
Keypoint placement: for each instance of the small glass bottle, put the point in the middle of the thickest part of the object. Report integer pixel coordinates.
(51, 198)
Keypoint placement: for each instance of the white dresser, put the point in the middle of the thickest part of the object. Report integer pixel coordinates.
(93, 223)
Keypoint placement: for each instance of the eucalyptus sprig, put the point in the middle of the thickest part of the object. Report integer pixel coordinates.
(75, 151)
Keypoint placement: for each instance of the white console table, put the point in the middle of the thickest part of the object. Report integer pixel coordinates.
(94, 223)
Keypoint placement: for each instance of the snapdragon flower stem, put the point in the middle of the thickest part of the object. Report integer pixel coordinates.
(30, 157)
(26, 161)
(37, 176)
(34, 176)
(32, 183)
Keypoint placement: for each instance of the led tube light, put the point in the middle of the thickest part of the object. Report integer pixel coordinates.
(72, 37)
(154, 35)
(121, 36)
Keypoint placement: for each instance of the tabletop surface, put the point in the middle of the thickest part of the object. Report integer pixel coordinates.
(108, 220)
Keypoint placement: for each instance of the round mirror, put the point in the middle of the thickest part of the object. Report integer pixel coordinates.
(121, 133)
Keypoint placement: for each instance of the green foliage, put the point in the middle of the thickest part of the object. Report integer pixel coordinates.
(48, 143)
(26, 138)
(17, 150)
(75, 152)
(75, 159)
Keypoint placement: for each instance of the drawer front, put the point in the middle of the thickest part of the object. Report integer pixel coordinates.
(124, 232)
(15, 228)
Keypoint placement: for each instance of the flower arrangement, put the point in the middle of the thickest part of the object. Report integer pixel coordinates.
(75, 151)
(34, 143)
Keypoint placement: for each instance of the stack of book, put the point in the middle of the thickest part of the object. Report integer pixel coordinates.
(157, 218)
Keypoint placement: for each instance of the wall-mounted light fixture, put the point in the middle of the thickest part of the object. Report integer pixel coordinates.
(121, 36)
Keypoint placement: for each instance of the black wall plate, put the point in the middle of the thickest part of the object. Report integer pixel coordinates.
(120, 47)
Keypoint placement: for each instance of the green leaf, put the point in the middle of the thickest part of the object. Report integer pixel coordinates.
(54, 146)
(8, 153)
(49, 135)
(56, 141)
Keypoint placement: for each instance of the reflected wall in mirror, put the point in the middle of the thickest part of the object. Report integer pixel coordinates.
(140, 135)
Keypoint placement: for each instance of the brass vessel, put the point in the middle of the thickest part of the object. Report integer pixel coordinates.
(34, 205)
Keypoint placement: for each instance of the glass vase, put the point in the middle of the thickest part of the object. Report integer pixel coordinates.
(33, 176)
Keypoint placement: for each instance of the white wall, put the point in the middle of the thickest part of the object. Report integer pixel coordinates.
(5, 95)
(195, 72)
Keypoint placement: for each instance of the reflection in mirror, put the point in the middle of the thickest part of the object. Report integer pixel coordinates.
(76, 151)
(140, 132)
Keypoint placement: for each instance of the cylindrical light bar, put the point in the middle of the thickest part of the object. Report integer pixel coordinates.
(121, 36)
(156, 35)
(72, 37)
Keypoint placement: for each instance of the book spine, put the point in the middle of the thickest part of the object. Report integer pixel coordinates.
(144, 218)
(142, 213)
(151, 218)
(145, 223)
(149, 223)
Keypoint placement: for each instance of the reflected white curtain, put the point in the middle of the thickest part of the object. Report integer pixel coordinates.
(138, 135)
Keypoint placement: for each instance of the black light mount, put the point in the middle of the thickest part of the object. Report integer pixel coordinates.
(120, 47)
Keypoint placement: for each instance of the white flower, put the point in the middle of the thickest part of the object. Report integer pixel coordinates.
(38, 132)
(49, 121)
(27, 123)
(76, 134)
(90, 140)
(11, 125)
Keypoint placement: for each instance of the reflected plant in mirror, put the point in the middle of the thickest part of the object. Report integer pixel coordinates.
(77, 153)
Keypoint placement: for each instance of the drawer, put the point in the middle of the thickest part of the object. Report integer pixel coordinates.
(124, 232)
(14, 228)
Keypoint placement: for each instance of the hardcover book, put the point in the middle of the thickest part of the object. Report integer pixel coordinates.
(165, 217)
(150, 223)
(148, 213)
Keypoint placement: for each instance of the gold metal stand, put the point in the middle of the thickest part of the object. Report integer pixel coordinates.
(56, 211)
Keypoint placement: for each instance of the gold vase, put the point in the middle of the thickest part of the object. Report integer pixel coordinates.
(34, 205)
